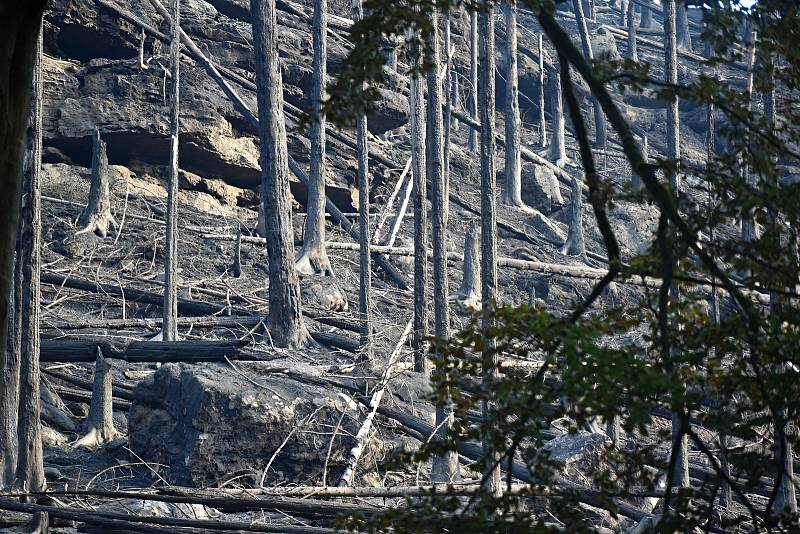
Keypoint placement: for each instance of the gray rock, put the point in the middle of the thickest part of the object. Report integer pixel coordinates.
(543, 188)
(604, 45)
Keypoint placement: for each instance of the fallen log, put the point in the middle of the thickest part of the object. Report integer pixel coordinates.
(190, 351)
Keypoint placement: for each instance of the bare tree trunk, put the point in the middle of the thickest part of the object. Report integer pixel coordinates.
(749, 229)
(557, 151)
(284, 321)
(448, 110)
(169, 325)
(237, 254)
(364, 260)
(444, 468)
(574, 245)
(9, 386)
(513, 168)
(96, 217)
(488, 225)
(632, 54)
(313, 258)
(468, 292)
(647, 18)
(636, 180)
(623, 11)
(417, 142)
(99, 424)
(473, 77)
(680, 475)
(30, 461)
(684, 35)
(542, 82)
(455, 99)
(599, 118)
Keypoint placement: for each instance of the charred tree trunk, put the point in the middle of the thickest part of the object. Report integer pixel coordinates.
(9, 385)
(284, 321)
(99, 424)
(599, 118)
(557, 151)
(684, 35)
(488, 223)
(632, 53)
(636, 180)
(237, 254)
(313, 258)
(542, 83)
(473, 77)
(574, 245)
(468, 294)
(96, 217)
(169, 325)
(30, 460)
(513, 168)
(749, 229)
(364, 260)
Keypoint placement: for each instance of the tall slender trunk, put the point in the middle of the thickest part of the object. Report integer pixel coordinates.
(9, 384)
(624, 6)
(284, 320)
(364, 260)
(749, 230)
(448, 110)
(680, 475)
(557, 151)
(684, 35)
(313, 257)
(473, 78)
(169, 327)
(632, 54)
(599, 118)
(488, 224)
(513, 169)
(417, 142)
(542, 83)
(30, 461)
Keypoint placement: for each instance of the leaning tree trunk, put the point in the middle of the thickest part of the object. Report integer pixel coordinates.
(417, 142)
(473, 78)
(99, 424)
(680, 475)
(285, 320)
(313, 258)
(364, 260)
(488, 225)
(684, 35)
(513, 170)
(445, 467)
(599, 118)
(542, 81)
(557, 151)
(632, 54)
(30, 461)
(169, 325)
(96, 217)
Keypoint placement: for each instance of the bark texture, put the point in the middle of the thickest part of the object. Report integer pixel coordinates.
(473, 78)
(575, 245)
(96, 217)
(632, 52)
(542, 84)
(99, 424)
(513, 167)
(469, 293)
(557, 151)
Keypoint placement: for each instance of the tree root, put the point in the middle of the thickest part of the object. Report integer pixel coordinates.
(312, 260)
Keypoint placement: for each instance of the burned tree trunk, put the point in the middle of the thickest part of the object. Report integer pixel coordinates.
(448, 109)
(467, 294)
(169, 326)
(749, 229)
(513, 169)
(9, 386)
(557, 151)
(313, 258)
(599, 118)
(647, 18)
(473, 77)
(99, 424)
(30, 461)
(542, 120)
(96, 217)
(285, 320)
(237, 254)
(364, 260)
(624, 6)
(574, 245)
(684, 35)
(632, 52)
(488, 222)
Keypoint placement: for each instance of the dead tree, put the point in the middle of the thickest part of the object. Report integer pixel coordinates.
(574, 245)
(96, 217)
(684, 35)
(473, 77)
(285, 320)
(468, 294)
(313, 258)
(542, 83)
(513, 169)
(9, 384)
(488, 220)
(364, 260)
(417, 142)
(557, 151)
(237, 254)
(680, 475)
(599, 118)
(99, 425)
(632, 53)
(647, 18)
(30, 460)
(448, 108)
(636, 180)
(624, 6)
(169, 325)
(749, 228)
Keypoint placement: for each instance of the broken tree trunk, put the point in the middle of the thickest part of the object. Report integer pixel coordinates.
(472, 144)
(491, 478)
(169, 326)
(30, 460)
(575, 246)
(99, 424)
(285, 320)
(96, 217)
(557, 151)
(313, 258)
(9, 386)
(513, 166)
(632, 52)
(408, 185)
(542, 120)
(468, 293)
(599, 118)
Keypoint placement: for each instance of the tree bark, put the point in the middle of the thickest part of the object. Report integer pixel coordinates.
(632, 52)
(599, 118)
(575, 245)
(623, 11)
(30, 461)
(468, 292)
(557, 151)
(285, 320)
(169, 325)
(313, 257)
(9, 386)
(488, 224)
(472, 145)
(749, 229)
(99, 425)
(542, 82)
(448, 108)
(96, 217)
(513, 166)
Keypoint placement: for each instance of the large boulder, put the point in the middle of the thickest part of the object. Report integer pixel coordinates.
(214, 424)
(542, 188)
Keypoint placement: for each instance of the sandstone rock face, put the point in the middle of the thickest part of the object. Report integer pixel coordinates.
(214, 424)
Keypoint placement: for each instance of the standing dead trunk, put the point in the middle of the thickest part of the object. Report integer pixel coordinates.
(749, 229)
(557, 151)
(169, 326)
(680, 474)
(9, 387)
(632, 53)
(513, 169)
(96, 217)
(574, 245)
(599, 118)
(285, 320)
(684, 35)
(647, 18)
(237, 254)
(448, 110)
(417, 142)
(364, 260)
(542, 119)
(636, 180)
(30, 461)
(473, 78)
(313, 258)
(99, 424)
(624, 6)
(488, 226)
(455, 99)
(467, 294)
